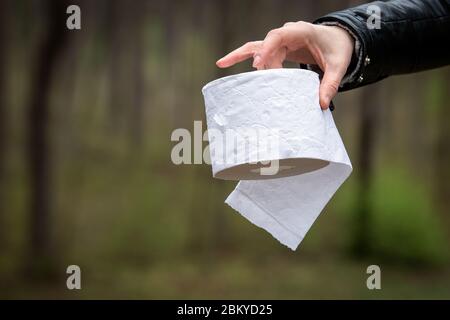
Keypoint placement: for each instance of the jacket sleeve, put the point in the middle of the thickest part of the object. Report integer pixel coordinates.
(411, 36)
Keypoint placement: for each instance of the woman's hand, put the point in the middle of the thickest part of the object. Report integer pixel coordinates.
(329, 47)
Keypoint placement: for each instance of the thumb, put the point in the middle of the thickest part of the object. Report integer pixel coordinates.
(329, 86)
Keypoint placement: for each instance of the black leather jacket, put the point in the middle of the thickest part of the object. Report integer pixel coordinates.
(413, 35)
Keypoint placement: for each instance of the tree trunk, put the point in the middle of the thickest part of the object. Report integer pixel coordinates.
(369, 111)
(136, 129)
(3, 122)
(38, 147)
(115, 23)
(442, 146)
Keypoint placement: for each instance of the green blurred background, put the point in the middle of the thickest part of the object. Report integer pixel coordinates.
(86, 176)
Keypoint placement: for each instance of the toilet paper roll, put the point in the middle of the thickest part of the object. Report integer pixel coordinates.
(267, 129)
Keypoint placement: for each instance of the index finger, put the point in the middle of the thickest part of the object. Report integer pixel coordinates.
(240, 54)
(272, 43)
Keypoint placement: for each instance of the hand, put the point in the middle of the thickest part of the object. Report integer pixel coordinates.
(329, 47)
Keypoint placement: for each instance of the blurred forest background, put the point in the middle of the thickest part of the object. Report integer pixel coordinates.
(86, 176)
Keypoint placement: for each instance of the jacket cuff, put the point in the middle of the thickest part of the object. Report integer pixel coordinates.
(362, 72)
(357, 57)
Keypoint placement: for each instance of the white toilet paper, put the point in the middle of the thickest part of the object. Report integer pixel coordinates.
(274, 115)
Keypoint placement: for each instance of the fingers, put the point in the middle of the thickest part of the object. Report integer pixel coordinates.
(267, 55)
(240, 54)
(282, 42)
(329, 86)
(271, 52)
(263, 52)
(253, 49)
(274, 61)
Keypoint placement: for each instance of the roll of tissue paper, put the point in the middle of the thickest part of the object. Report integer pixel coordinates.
(266, 128)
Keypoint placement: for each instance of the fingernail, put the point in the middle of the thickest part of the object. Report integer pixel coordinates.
(323, 102)
(256, 61)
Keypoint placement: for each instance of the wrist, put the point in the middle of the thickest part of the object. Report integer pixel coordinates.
(356, 52)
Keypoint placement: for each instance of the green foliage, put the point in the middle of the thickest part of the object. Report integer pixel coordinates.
(405, 224)
(435, 94)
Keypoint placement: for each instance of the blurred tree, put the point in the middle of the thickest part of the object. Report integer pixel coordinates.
(225, 31)
(40, 169)
(442, 148)
(114, 28)
(3, 121)
(136, 119)
(171, 36)
(169, 11)
(369, 112)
